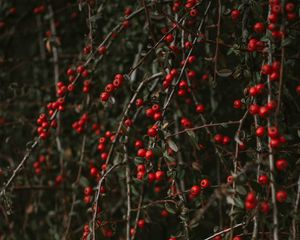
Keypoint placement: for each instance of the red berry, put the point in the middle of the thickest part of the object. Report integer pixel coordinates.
(140, 175)
(109, 88)
(138, 144)
(152, 132)
(226, 140)
(235, 14)
(260, 131)
(157, 116)
(276, 66)
(151, 177)
(126, 24)
(250, 205)
(102, 50)
(264, 207)
(291, 16)
(274, 76)
(150, 112)
(205, 183)
(266, 69)
(80, 69)
(237, 104)
(290, 7)
(104, 96)
(298, 89)
(254, 109)
(218, 138)
(164, 213)
(200, 108)
(128, 122)
(217, 237)
(149, 154)
(281, 196)
(159, 175)
(88, 191)
(169, 38)
(251, 197)
(275, 143)
(271, 105)
(194, 12)
(263, 111)
(139, 102)
(230, 179)
(141, 152)
(93, 171)
(281, 164)
(273, 18)
(141, 168)
(195, 190)
(273, 132)
(141, 223)
(259, 27)
(263, 179)
(237, 238)
(276, 9)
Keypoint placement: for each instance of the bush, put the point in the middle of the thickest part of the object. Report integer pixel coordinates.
(149, 119)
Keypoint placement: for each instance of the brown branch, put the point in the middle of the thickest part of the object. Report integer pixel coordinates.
(21, 164)
(217, 41)
(204, 126)
(226, 230)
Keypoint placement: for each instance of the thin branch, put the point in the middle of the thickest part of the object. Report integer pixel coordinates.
(226, 230)
(295, 214)
(19, 167)
(128, 185)
(223, 124)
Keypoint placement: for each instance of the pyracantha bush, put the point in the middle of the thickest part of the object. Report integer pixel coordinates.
(150, 119)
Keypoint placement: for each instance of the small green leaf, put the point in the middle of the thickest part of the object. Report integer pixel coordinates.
(84, 181)
(138, 160)
(238, 202)
(170, 208)
(224, 72)
(286, 42)
(241, 190)
(172, 145)
(157, 151)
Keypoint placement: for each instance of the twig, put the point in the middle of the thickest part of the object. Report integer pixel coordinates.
(139, 208)
(21, 164)
(225, 230)
(271, 155)
(68, 225)
(217, 41)
(294, 223)
(128, 182)
(204, 126)
(98, 195)
(148, 19)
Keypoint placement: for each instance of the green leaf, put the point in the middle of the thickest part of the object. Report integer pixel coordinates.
(193, 139)
(157, 151)
(238, 202)
(134, 191)
(286, 42)
(180, 173)
(138, 160)
(169, 158)
(172, 145)
(84, 181)
(241, 190)
(170, 208)
(224, 72)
